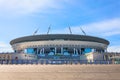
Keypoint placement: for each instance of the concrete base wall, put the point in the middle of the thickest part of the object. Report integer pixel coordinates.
(20, 56)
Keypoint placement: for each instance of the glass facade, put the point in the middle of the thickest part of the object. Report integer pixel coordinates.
(30, 50)
(88, 50)
(58, 52)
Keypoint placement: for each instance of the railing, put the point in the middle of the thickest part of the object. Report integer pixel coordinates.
(50, 61)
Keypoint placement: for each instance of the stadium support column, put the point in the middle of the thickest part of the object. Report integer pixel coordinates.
(79, 51)
(61, 50)
(93, 50)
(43, 51)
(74, 51)
(37, 51)
(55, 50)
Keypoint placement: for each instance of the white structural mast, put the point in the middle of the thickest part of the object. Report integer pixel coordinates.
(35, 31)
(70, 30)
(49, 29)
(83, 31)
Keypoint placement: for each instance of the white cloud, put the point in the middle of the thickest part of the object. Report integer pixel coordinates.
(111, 33)
(5, 47)
(104, 28)
(15, 7)
(114, 49)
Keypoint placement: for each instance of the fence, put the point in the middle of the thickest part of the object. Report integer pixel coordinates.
(47, 61)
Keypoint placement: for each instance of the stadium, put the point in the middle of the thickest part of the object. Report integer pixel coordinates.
(59, 46)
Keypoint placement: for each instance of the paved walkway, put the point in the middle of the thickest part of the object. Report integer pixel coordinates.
(59, 72)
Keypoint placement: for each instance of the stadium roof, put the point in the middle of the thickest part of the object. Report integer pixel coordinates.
(45, 37)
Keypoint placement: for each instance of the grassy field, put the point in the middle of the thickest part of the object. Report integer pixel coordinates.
(59, 72)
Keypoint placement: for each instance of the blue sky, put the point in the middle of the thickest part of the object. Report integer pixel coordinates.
(97, 17)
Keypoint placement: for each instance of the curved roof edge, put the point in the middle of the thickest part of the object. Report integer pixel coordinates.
(59, 36)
